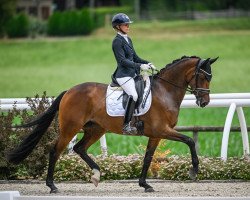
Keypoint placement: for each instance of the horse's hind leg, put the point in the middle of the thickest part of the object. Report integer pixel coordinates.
(67, 132)
(92, 133)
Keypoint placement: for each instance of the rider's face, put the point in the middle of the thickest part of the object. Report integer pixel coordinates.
(124, 28)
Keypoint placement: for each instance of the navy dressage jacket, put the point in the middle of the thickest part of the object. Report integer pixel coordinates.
(128, 62)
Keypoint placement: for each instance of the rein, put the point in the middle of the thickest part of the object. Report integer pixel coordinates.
(188, 89)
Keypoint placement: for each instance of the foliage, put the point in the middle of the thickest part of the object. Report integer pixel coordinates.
(7, 8)
(176, 168)
(159, 156)
(10, 137)
(37, 27)
(18, 26)
(70, 23)
(115, 167)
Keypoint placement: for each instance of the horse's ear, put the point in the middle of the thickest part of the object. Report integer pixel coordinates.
(211, 61)
(205, 62)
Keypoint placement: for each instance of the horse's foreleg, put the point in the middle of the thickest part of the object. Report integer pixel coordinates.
(152, 145)
(89, 138)
(172, 134)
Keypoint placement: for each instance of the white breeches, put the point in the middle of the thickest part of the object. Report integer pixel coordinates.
(128, 85)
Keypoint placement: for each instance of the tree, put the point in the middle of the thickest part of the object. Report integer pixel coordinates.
(7, 9)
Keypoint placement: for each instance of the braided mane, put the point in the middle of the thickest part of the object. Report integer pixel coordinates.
(174, 62)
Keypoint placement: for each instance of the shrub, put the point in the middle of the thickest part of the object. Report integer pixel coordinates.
(70, 23)
(176, 168)
(85, 22)
(36, 27)
(7, 10)
(114, 167)
(35, 164)
(18, 26)
(54, 24)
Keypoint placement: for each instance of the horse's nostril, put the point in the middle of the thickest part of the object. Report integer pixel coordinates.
(203, 104)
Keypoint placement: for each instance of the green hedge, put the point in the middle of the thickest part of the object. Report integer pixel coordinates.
(18, 26)
(70, 23)
(82, 22)
(67, 23)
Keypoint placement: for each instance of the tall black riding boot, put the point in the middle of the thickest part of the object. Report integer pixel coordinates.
(129, 110)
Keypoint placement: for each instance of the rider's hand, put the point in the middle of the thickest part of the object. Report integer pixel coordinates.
(145, 67)
(152, 66)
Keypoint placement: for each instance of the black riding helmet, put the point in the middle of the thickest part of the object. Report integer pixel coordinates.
(119, 19)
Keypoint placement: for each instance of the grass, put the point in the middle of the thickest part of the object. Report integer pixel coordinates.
(31, 66)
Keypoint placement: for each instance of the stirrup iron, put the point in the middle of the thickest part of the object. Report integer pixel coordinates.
(129, 130)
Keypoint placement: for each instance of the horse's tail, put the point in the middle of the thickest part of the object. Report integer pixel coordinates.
(30, 142)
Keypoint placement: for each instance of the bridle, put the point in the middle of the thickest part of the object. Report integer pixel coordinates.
(196, 91)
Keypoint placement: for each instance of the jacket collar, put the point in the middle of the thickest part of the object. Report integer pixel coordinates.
(129, 44)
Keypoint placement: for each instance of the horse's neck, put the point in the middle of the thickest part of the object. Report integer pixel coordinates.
(177, 76)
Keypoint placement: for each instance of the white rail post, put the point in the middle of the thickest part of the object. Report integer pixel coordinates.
(226, 131)
(71, 145)
(103, 142)
(243, 127)
(104, 146)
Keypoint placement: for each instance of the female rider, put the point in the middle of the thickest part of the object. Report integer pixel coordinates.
(128, 66)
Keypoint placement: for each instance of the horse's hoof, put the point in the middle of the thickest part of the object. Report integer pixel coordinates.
(192, 174)
(149, 190)
(94, 180)
(54, 191)
(96, 177)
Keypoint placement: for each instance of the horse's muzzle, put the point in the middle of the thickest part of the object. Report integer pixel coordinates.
(201, 102)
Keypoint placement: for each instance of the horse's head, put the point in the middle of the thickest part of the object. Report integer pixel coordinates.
(199, 81)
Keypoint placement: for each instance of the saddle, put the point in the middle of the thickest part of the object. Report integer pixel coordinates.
(139, 86)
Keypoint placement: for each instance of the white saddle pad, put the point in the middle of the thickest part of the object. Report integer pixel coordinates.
(114, 103)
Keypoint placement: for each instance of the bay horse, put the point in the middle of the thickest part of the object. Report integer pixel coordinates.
(83, 107)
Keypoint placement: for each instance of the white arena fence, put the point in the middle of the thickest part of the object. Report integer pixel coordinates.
(234, 101)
